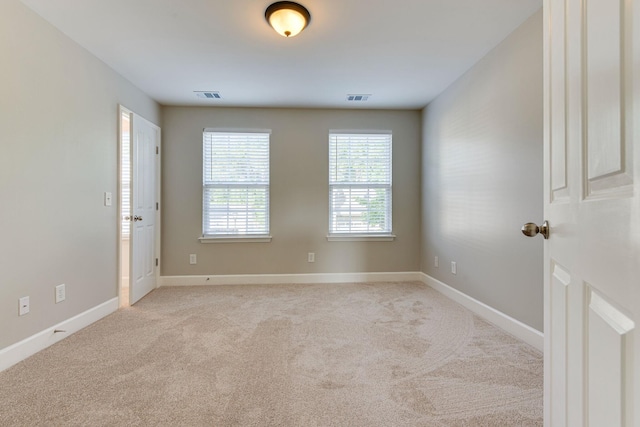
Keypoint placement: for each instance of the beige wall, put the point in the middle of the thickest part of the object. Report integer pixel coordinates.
(482, 178)
(299, 193)
(481, 155)
(58, 155)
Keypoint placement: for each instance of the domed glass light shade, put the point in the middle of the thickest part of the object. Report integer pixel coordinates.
(287, 18)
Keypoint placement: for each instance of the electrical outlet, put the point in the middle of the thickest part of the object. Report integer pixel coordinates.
(23, 308)
(61, 293)
(454, 267)
(193, 259)
(311, 257)
(436, 262)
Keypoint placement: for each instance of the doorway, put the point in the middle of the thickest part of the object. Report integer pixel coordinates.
(139, 215)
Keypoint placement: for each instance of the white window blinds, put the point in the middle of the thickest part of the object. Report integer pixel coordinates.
(125, 174)
(359, 183)
(235, 184)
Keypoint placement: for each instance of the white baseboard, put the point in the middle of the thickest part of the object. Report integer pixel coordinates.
(19, 351)
(512, 326)
(274, 279)
(15, 353)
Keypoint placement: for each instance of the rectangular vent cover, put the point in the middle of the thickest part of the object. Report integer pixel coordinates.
(209, 95)
(358, 97)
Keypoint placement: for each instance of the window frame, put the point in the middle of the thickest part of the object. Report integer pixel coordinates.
(228, 237)
(384, 235)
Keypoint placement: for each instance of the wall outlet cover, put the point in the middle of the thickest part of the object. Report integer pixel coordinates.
(61, 293)
(24, 306)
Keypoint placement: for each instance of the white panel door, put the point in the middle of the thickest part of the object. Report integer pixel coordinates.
(146, 138)
(592, 203)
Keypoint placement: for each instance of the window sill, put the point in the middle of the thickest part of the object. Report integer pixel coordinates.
(361, 237)
(235, 239)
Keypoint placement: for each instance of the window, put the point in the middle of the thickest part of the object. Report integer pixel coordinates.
(235, 187)
(359, 184)
(125, 172)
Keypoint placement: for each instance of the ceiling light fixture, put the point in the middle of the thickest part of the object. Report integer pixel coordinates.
(287, 18)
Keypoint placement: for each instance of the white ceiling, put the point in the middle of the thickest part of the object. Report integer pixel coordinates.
(403, 52)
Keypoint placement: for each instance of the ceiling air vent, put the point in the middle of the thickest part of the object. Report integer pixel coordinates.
(208, 95)
(358, 97)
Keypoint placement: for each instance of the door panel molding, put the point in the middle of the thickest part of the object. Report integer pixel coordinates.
(608, 170)
(560, 281)
(558, 106)
(610, 367)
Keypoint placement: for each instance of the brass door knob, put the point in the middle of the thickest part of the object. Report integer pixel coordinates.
(530, 229)
(137, 218)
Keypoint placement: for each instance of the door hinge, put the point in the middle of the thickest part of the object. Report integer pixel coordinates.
(156, 262)
(157, 208)
(157, 150)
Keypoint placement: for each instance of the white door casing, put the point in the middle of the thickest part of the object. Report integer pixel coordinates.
(144, 196)
(592, 203)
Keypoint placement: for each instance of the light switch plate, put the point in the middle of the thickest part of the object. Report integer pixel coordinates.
(108, 198)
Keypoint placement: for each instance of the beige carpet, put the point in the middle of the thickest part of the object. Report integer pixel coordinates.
(392, 354)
